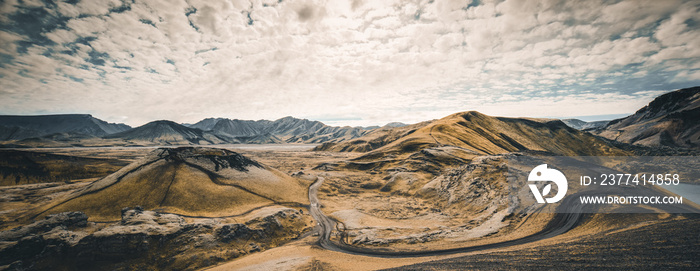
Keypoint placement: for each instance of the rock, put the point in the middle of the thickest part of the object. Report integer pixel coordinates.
(67, 219)
(150, 239)
(230, 232)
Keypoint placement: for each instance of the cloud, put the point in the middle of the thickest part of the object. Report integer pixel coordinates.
(374, 61)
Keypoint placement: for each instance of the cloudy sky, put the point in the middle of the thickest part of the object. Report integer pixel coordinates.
(343, 62)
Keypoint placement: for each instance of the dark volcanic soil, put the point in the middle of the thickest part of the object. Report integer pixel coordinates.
(668, 245)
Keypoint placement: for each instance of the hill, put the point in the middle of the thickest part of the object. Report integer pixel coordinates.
(166, 132)
(187, 181)
(373, 140)
(479, 134)
(671, 119)
(20, 127)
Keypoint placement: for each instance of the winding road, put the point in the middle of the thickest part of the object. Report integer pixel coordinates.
(560, 224)
(570, 214)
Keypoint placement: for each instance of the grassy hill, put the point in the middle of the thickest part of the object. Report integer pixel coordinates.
(188, 181)
(479, 134)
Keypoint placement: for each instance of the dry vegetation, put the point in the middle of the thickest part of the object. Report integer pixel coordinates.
(25, 167)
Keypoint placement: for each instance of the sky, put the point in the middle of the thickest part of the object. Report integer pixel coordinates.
(343, 62)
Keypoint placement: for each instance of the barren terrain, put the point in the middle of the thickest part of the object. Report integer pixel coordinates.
(370, 211)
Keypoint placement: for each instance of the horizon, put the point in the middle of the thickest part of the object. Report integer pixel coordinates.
(592, 118)
(344, 63)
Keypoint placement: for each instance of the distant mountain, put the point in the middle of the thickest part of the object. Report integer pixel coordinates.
(284, 130)
(205, 124)
(395, 124)
(84, 130)
(166, 132)
(21, 127)
(584, 125)
(241, 128)
(672, 119)
(17, 133)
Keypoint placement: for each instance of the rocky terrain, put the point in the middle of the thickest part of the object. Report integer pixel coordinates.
(284, 130)
(464, 203)
(166, 132)
(584, 125)
(669, 120)
(449, 172)
(177, 209)
(434, 185)
(657, 243)
(144, 240)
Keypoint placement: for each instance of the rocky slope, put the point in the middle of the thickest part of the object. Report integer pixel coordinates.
(166, 132)
(144, 240)
(672, 119)
(190, 181)
(20, 127)
(584, 125)
(284, 130)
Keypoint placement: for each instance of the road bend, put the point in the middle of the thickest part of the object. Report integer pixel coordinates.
(561, 223)
(569, 214)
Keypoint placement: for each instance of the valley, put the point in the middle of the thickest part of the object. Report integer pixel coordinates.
(349, 135)
(438, 193)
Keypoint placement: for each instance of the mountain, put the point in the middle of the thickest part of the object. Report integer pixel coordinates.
(584, 125)
(84, 130)
(284, 130)
(166, 132)
(240, 128)
(17, 133)
(477, 133)
(373, 140)
(395, 124)
(293, 130)
(205, 124)
(190, 181)
(20, 127)
(672, 119)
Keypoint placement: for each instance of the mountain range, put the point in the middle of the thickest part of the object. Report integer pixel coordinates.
(672, 119)
(85, 130)
(284, 130)
(21, 127)
(669, 120)
(169, 133)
